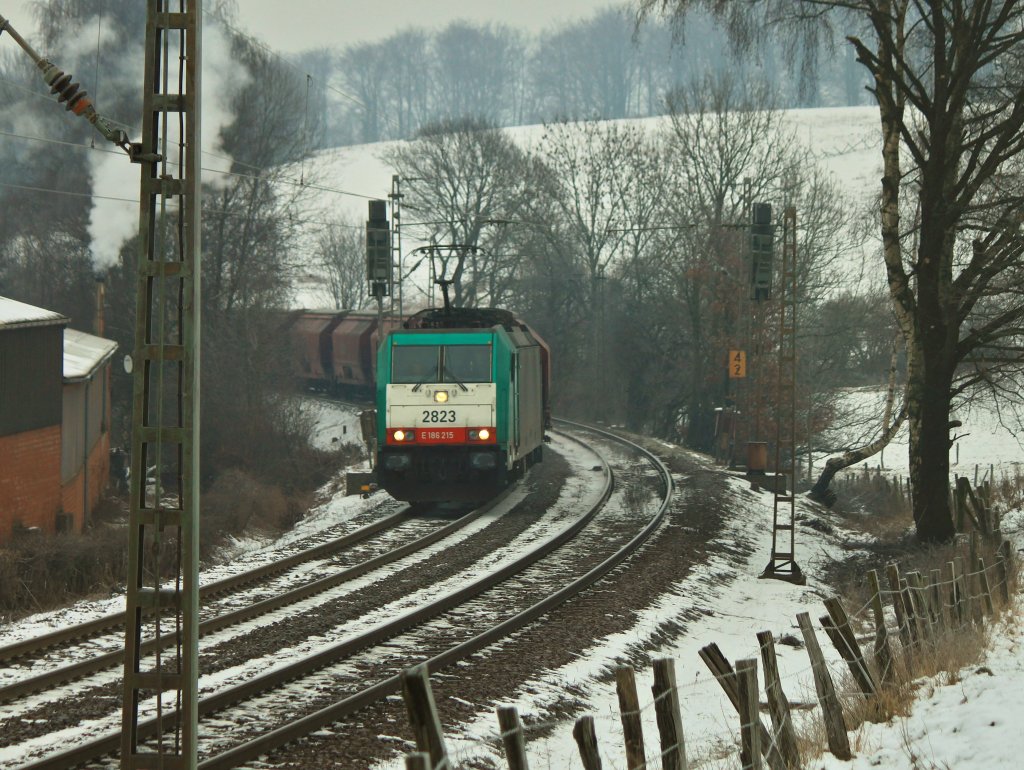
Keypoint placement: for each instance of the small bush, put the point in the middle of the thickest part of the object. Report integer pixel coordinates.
(41, 572)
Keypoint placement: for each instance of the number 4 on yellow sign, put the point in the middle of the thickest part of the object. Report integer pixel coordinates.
(737, 364)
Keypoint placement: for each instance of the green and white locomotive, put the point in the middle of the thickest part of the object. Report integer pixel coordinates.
(462, 404)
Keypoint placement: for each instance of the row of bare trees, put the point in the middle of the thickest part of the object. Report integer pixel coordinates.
(598, 67)
(627, 247)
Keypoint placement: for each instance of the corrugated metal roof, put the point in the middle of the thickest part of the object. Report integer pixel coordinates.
(84, 353)
(14, 314)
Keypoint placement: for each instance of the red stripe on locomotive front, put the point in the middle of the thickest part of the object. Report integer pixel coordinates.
(431, 436)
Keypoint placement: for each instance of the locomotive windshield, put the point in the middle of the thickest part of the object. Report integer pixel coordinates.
(467, 363)
(418, 364)
(414, 364)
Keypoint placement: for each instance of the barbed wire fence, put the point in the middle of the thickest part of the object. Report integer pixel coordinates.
(903, 626)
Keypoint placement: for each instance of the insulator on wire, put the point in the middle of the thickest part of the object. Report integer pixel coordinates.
(69, 94)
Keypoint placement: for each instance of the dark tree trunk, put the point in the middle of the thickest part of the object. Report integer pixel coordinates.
(929, 460)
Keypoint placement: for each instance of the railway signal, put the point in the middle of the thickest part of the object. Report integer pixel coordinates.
(378, 250)
(762, 252)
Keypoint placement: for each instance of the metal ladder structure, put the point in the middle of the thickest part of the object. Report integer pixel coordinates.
(782, 565)
(163, 560)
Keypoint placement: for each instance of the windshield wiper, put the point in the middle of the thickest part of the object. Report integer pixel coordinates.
(448, 373)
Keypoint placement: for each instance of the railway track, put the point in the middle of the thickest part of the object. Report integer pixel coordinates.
(53, 677)
(93, 628)
(532, 603)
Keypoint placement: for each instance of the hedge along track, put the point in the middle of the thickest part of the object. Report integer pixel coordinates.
(277, 678)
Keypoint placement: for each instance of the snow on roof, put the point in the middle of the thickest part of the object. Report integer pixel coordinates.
(14, 314)
(84, 353)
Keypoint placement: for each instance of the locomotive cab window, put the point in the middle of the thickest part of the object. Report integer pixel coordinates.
(415, 364)
(466, 363)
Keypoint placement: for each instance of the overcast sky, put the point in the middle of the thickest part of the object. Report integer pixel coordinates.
(295, 25)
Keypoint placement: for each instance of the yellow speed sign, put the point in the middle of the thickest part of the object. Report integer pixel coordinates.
(737, 364)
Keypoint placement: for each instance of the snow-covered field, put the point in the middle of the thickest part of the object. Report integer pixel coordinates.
(989, 443)
(844, 141)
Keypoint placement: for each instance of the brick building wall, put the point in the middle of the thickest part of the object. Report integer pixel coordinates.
(30, 490)
(73, 493)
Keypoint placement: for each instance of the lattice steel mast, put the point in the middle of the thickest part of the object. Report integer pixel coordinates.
(163, 564)
(782, 564)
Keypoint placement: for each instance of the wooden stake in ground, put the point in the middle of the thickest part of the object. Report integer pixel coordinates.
(629, 712)
(986, 592)
(892, 573)
(1003, 570)
(512, 738)
(586, 739)
(882, 649)
(938, 605)
(426, 726)
(832, 712)
(850, 649)
(750, 720)
(417, 761)
(670, 719)
(722, 670)
(917, 601)
(778, 705)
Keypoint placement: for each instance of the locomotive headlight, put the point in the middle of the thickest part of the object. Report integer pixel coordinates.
(484, 434)
(399, 435)
(440, 396)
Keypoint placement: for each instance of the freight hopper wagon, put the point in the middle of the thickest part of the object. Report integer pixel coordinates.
(462, 404)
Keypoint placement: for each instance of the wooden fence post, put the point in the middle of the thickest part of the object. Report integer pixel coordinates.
(913, 619)
(986, 592)
(417, 761)
(1002, 569)
(892, 573)
(965, 603)
(629, 712)
(974, 580)
(917, 601)
(956, 603)
(750, 736)
(778, 705)
(426, 726)
(1009, 566)
(938, 605)
(882, 648)
(586, 739)
(722, 670)
(512, 738)
(832, 712)
(849, 648)
(670, 719)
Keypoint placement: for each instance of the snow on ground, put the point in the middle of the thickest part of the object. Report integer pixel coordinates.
(969, 725)
(336, 424)
(989, 442)
(733, 604)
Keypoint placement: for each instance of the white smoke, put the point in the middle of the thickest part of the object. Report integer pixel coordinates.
(112, 220)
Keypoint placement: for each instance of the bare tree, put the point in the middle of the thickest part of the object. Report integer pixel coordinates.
(340, 252)
(476, 67)
(467, 184)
